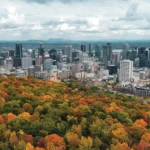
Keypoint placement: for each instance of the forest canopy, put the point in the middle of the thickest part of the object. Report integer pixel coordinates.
(43, 115)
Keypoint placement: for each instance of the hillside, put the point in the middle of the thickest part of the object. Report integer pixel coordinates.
(41, 115)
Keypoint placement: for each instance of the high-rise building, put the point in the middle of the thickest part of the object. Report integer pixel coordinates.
(142, 59)
(33, 53)
(83, 57)
(4, 54)
(9, 63)
(112, 69)
(75, 56)
(18, 51)
(147, 54)
(90, 49)
(136, 62)
(116, 57)
(126, 70)
(11, 53)
(83, 48)
(17, 62)
(26, 62)
(76, 68)
(1, 61)
(143, 56)
(107, 51)
(98, 51)
(68, 52)
(126, 48)
(47, 64)
(141, 51)
(38, 60)
(134, 55)
(109, 47)
(38, 68)
(41, 50)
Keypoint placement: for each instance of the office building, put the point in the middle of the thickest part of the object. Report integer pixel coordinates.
(31, 70)
(142, 75)
(38, 68)
(63, 59)
(141, 51)
(75, 56)
(83, 48)
(131, 55)
(41, 50)
(47, 64)
(1, 61)
(90, 49)
(53, 54)
(38, 60)
(107, 51)
(26, 62)
(126, 71)
(17, 62)
(4, 54)
(67, 51)
(126, 48)
(9, 63)
(112, 69)
(116, 57)
(147, 54)
(83, 57)
(76, 68)
(136, 62)
(11, 53)
(134, 55)
(98, 51)
(143, 54)
(32, 53)
(18, 51)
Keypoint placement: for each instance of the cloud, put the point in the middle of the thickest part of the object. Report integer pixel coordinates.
(37, 27)
(80, 19)
(65, 27)
(131, 14)
(49, 1)
(13, 19)
(72, 22)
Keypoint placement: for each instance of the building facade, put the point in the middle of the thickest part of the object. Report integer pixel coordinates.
(126, 71)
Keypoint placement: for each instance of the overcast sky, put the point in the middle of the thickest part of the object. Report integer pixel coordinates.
(75, 19)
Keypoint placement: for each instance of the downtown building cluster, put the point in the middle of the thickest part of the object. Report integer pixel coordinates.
(94, 64)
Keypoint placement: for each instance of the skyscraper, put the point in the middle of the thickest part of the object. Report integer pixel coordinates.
(107, 51)
(68, 52)
(41, 50)
(83, 48)
(126, 70)
(115, 57)
(143, 56)
(18, 51)
(90, 49)
(126, 48)
(98, 51)
(109, 47)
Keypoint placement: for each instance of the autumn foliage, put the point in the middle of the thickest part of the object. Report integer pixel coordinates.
(43, 115)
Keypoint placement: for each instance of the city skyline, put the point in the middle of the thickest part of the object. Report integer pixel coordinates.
(75, 20)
